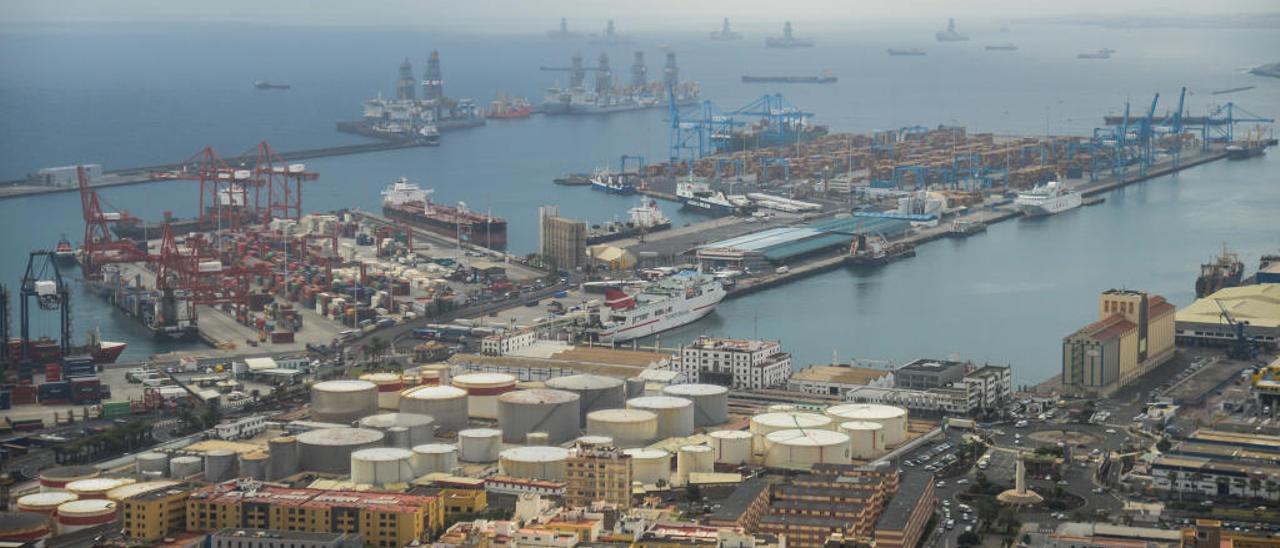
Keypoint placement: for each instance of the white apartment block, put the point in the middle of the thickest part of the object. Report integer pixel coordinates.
(739, 363)
(511, 341)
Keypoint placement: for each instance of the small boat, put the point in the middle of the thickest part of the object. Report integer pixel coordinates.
(263, 84)
(64, 255)
(429, 135)
(1104, 53)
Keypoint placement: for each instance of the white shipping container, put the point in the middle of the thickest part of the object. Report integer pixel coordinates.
(209, 266)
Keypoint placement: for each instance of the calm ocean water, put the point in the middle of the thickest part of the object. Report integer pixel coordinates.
(122, 96)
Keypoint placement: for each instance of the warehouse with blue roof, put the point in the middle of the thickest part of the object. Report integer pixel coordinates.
(774, 247)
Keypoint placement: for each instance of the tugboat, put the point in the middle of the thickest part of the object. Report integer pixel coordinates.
(876, 250)
(64, 255)
(1226, 270)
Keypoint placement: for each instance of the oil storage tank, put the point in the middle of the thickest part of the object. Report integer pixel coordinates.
(25, 528)
(731, 446)
(343, 401)
(866, 439)
(804, 448)
(45, 503)
(554, 412)
(649, 466)
(710, 402)
(96, 488)
(539, 462)
(219, 465)
(595, 392)
(434, 457)
(418, 428)
(382, 466)
(892, 418)
(675, 415)
(447, 405)
(389, 387)
(627, 427)
(283, 460)
(479, 444)
(693, 459)
(766, 423)
(185, 466)
(483, 390)
(253, 465)
(329, 450)
(152, 462)
(57, 478)
(83, 514)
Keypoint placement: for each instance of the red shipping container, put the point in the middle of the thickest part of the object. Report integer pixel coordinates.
(282, 337)
(52, 372)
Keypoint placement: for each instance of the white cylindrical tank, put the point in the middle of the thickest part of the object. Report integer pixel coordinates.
(446, 404)
(219, 466)
(382, 466)
(253, 465)
(595, 392)
(649, 466)
(554, 412)
(434, 457)
(329, 450)
(675, 415)
(694, 459)
(866, 439)
(537, 439)
(185, 466)
(483, 390)
(893, 418)
(479, 444)
(627, 427)
(803, 448)
(284, 457)
(96, 488)
(389, 387)
(710, 402)
(45, 503)
(121, 493)
(594, 441)
(731, 446)
(434, 374)
(764, 424)
(418, 428)
(83, 514)
(152, 462)
(343, 401)
(57, 478)
(544, 462)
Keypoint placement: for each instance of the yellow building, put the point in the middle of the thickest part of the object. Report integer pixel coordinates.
(597, 474)
(155, 514)
(384, 519)
(1134, 333)
(1209, 533)
(461, 502)
(1201, 323)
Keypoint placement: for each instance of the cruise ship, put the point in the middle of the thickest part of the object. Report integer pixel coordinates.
(1047, 199)
(667, 303)
(407, 202)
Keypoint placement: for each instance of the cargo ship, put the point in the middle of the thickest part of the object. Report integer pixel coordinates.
(407, 202)
(823, 79)
(64, 254)
(573, 179)
(103, 352)
(1002, 47)
(1253, 145)
(876, 250)
(725, 33)
(787, 40)
(697, 195)
(615, 182)
(139, 230)
(168, 314)
(951, 34)
(506, 108)
(1226, 270)
(667, 303)
(263, 84)
(1104, 53)
(643, 219)
(909, 52)
(1048, 199)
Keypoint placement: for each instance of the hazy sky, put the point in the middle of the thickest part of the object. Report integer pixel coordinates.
(586, 15)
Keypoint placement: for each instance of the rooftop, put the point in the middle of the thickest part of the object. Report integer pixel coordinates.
(1257, 304)
(736, 503)
(931, 366)
(911, 487)
(1107, 328)
(305, 536)
(840, 374)
(778, 244)
(230, 493)
(737, 345)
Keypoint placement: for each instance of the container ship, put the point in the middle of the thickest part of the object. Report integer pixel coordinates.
(407, 202)
(167, 314)
(823, 79)
(643, 219)
(667, 303)
(1048, 199)
(506, 108)
(1225, 270)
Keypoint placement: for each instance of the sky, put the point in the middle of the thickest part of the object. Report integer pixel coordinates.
(537, 16)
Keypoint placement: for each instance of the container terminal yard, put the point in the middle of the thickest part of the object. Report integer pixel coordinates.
(398, 377)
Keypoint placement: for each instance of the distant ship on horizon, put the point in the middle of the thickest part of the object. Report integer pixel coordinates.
(951, 35)
(263, 84)
(916, 52)
(725, 33)
(787, 40)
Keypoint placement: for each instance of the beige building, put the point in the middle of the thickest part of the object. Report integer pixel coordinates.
(1134, 333)
(597, 473)
(561, 241)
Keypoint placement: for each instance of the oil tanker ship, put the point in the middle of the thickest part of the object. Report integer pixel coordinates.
(408, 202)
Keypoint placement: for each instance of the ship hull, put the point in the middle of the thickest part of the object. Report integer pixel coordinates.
(108, 352)
(1244, 153)
(697, 308)
(1051, 207)
(709, 208)
(490, 235)
(624, 233)
(625, 190)
(876, 260)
